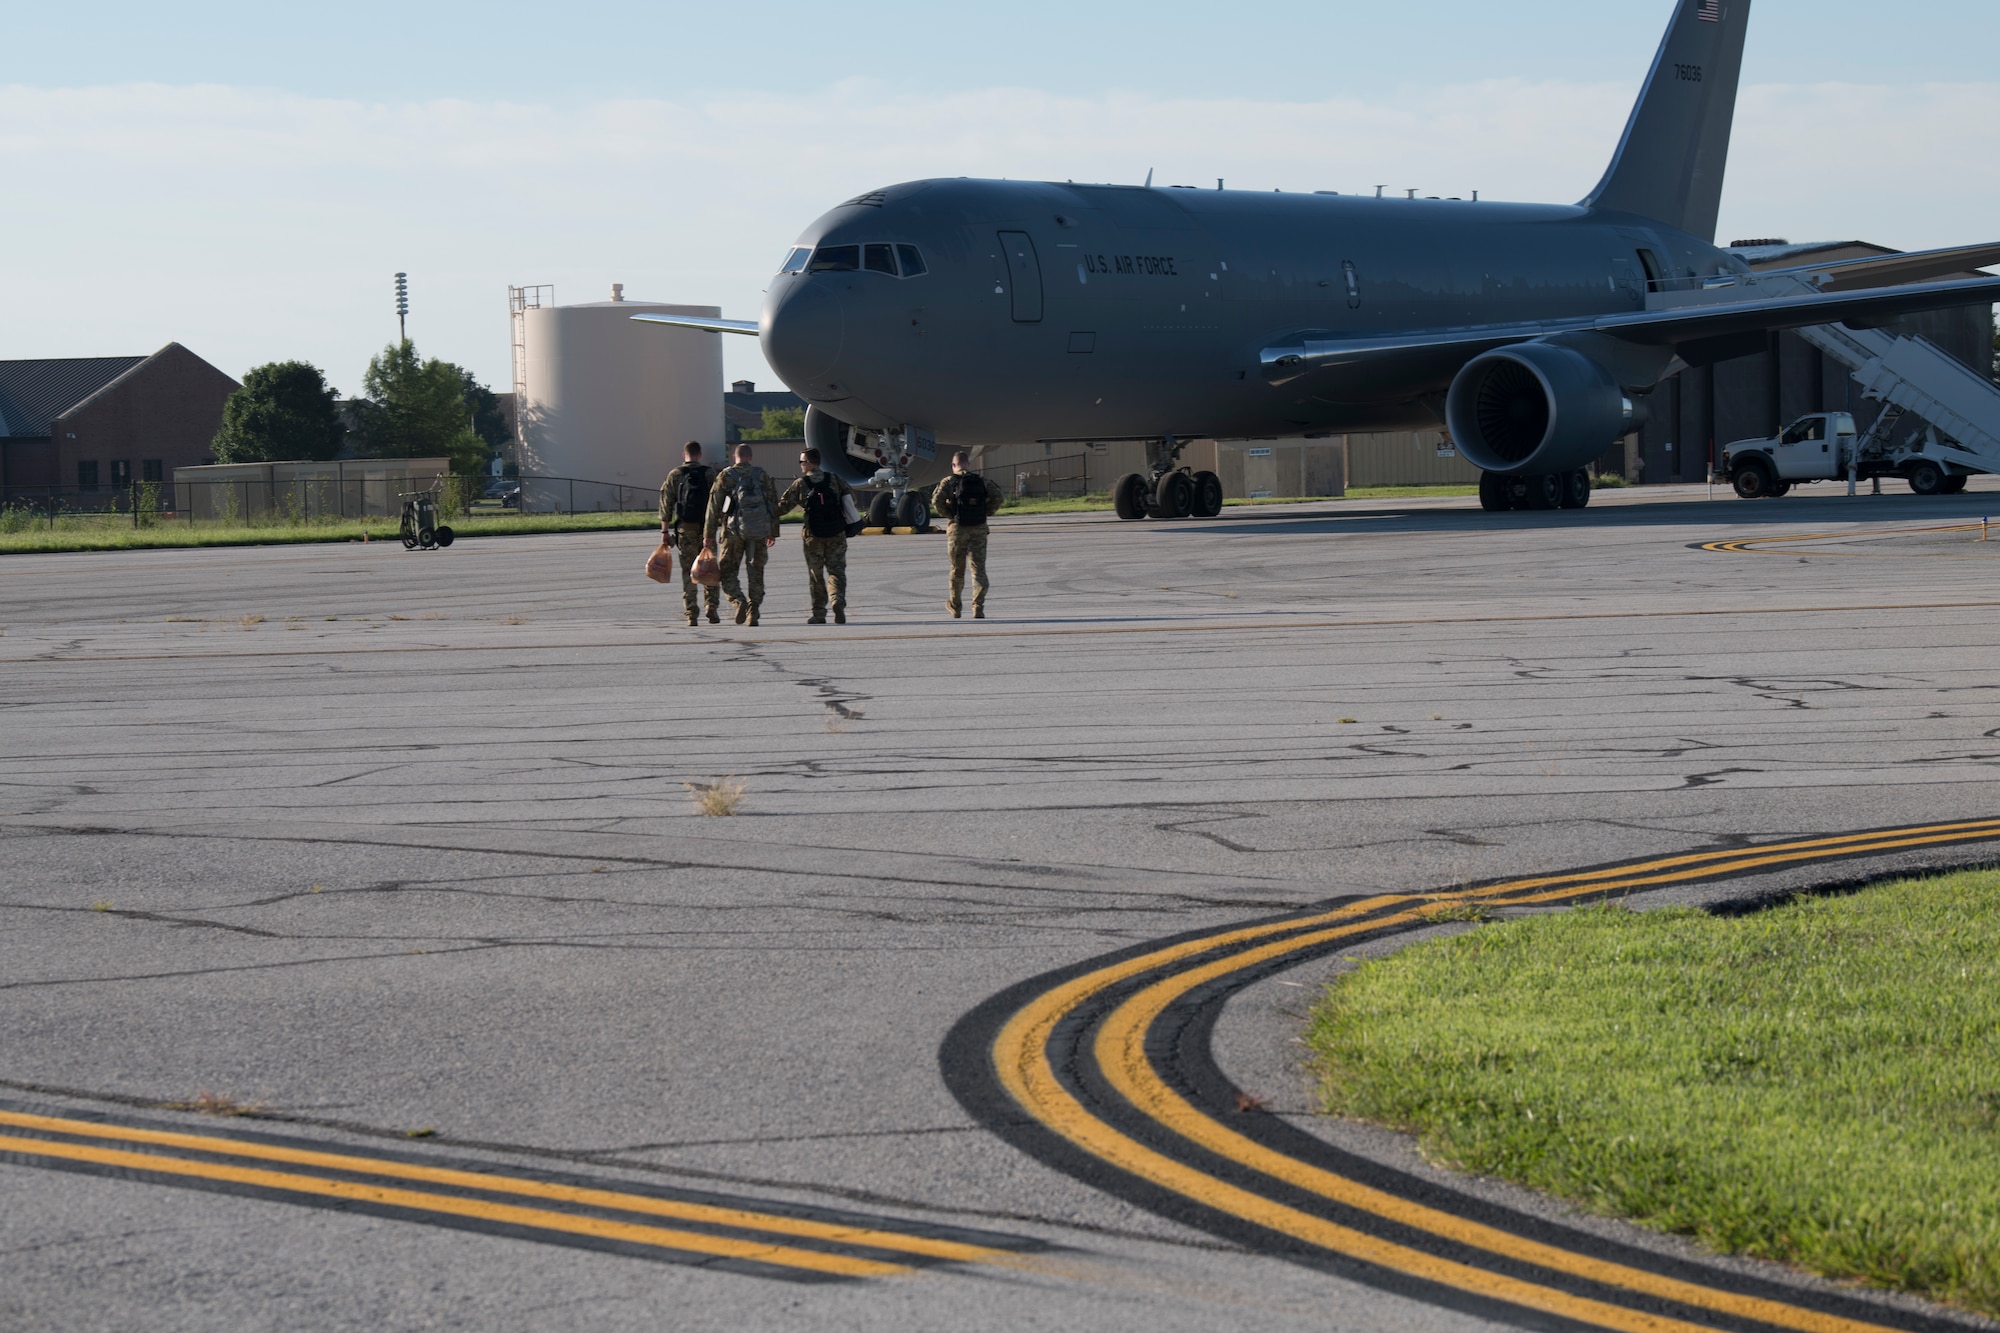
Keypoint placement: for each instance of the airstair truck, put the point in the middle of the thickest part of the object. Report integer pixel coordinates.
(1956, 435)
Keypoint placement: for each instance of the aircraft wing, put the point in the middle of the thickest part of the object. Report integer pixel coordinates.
(748, 326)
(1700, 333)
(1873, 270)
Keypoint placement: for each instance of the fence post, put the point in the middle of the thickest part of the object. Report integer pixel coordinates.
(572, 495)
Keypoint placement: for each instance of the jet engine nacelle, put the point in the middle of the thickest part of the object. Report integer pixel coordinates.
(1536, 407)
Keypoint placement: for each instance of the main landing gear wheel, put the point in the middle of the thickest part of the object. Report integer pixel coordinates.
(1496, 493)
(1576, 488)
(1129, 496)
(1174, 496)
(881, 509)
(1925, 477)
(1544, 491)
(913, 512)
(1207, 495)
(1754, 481)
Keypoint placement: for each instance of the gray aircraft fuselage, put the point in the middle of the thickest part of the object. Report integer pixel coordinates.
(1140, 312)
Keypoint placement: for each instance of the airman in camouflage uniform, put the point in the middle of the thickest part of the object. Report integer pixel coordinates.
(683, 510)
(965, 534)
(822, 495)
(729, 518)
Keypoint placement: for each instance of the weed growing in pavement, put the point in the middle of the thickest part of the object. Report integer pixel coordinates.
(1456, 909)
(720, 797)
(515, 619)
(250, 621)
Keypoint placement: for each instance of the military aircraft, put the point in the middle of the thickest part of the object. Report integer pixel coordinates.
(978, 312)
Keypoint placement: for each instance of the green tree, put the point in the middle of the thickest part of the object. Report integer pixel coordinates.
(417, 409)
(780, 423)
(285, 412)
(489, 423)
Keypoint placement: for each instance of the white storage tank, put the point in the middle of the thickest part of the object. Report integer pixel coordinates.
(610, 400)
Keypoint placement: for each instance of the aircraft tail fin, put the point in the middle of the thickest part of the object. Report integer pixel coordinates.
(1670, 163)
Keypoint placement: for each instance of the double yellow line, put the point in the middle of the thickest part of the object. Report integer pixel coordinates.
(772, 1240)
(1027, 1066)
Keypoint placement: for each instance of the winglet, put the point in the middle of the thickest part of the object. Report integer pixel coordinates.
(1670, 162)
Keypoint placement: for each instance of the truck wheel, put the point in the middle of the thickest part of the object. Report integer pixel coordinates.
(1953, 484)
(1925, 477)
(1781, 490)
(1128, 497)
(1754, 481)
(1496, 493)
(1576, 488)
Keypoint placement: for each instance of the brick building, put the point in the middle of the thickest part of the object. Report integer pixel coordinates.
(87, 425)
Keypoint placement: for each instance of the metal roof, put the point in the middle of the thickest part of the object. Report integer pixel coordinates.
(34, 393)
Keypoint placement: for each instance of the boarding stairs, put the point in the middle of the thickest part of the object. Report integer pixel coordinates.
(1908, 376)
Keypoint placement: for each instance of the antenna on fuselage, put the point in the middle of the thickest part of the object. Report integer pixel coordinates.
(1149, 176)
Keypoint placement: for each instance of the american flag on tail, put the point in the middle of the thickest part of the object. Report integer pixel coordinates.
(1710, 11)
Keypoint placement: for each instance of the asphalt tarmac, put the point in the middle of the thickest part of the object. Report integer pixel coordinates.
(393, 852)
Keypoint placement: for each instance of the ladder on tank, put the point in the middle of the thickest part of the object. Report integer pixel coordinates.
(1914, 377)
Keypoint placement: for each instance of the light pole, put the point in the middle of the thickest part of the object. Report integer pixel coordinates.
(402, 307)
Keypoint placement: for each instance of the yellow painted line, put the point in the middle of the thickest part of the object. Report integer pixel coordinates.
(541, 1219)
(1121, 1055)
(1020, 1055)
(776, 1223)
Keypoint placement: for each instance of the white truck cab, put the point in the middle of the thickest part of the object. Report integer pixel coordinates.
(1821, 446)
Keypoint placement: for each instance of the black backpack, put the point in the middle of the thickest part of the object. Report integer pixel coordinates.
(823, 515)
(970, 506)
(691, 505)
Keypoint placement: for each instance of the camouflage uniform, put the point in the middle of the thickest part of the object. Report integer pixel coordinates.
(731, 548)
(686, 541)
(965, 542)
(826, 557)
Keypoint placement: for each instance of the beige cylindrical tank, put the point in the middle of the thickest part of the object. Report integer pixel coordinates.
(611, 400)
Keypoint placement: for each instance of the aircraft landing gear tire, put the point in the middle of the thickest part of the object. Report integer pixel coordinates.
(913, 512)
(1575, 488)
(1925, 477)
(1174, 496)
(1207, 495)
(1496, 493)
(1545, 491)
(1754, 481)
(1129, 496)
(881, 510)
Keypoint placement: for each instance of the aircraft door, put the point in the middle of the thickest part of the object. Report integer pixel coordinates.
(1024, 274)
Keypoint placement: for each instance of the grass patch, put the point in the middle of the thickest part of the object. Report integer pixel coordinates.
(1410, 492)
(1817, 1084)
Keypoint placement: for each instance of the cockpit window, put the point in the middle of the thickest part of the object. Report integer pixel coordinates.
(795, 262)
(913, 263)
(879, 259)
(835, 259)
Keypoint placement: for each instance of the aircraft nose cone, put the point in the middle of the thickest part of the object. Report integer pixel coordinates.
(803, 335)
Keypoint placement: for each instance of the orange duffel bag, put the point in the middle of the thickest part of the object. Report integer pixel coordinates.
(660, 564)
(707, 569)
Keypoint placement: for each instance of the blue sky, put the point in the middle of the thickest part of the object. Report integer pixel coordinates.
(246, 178)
